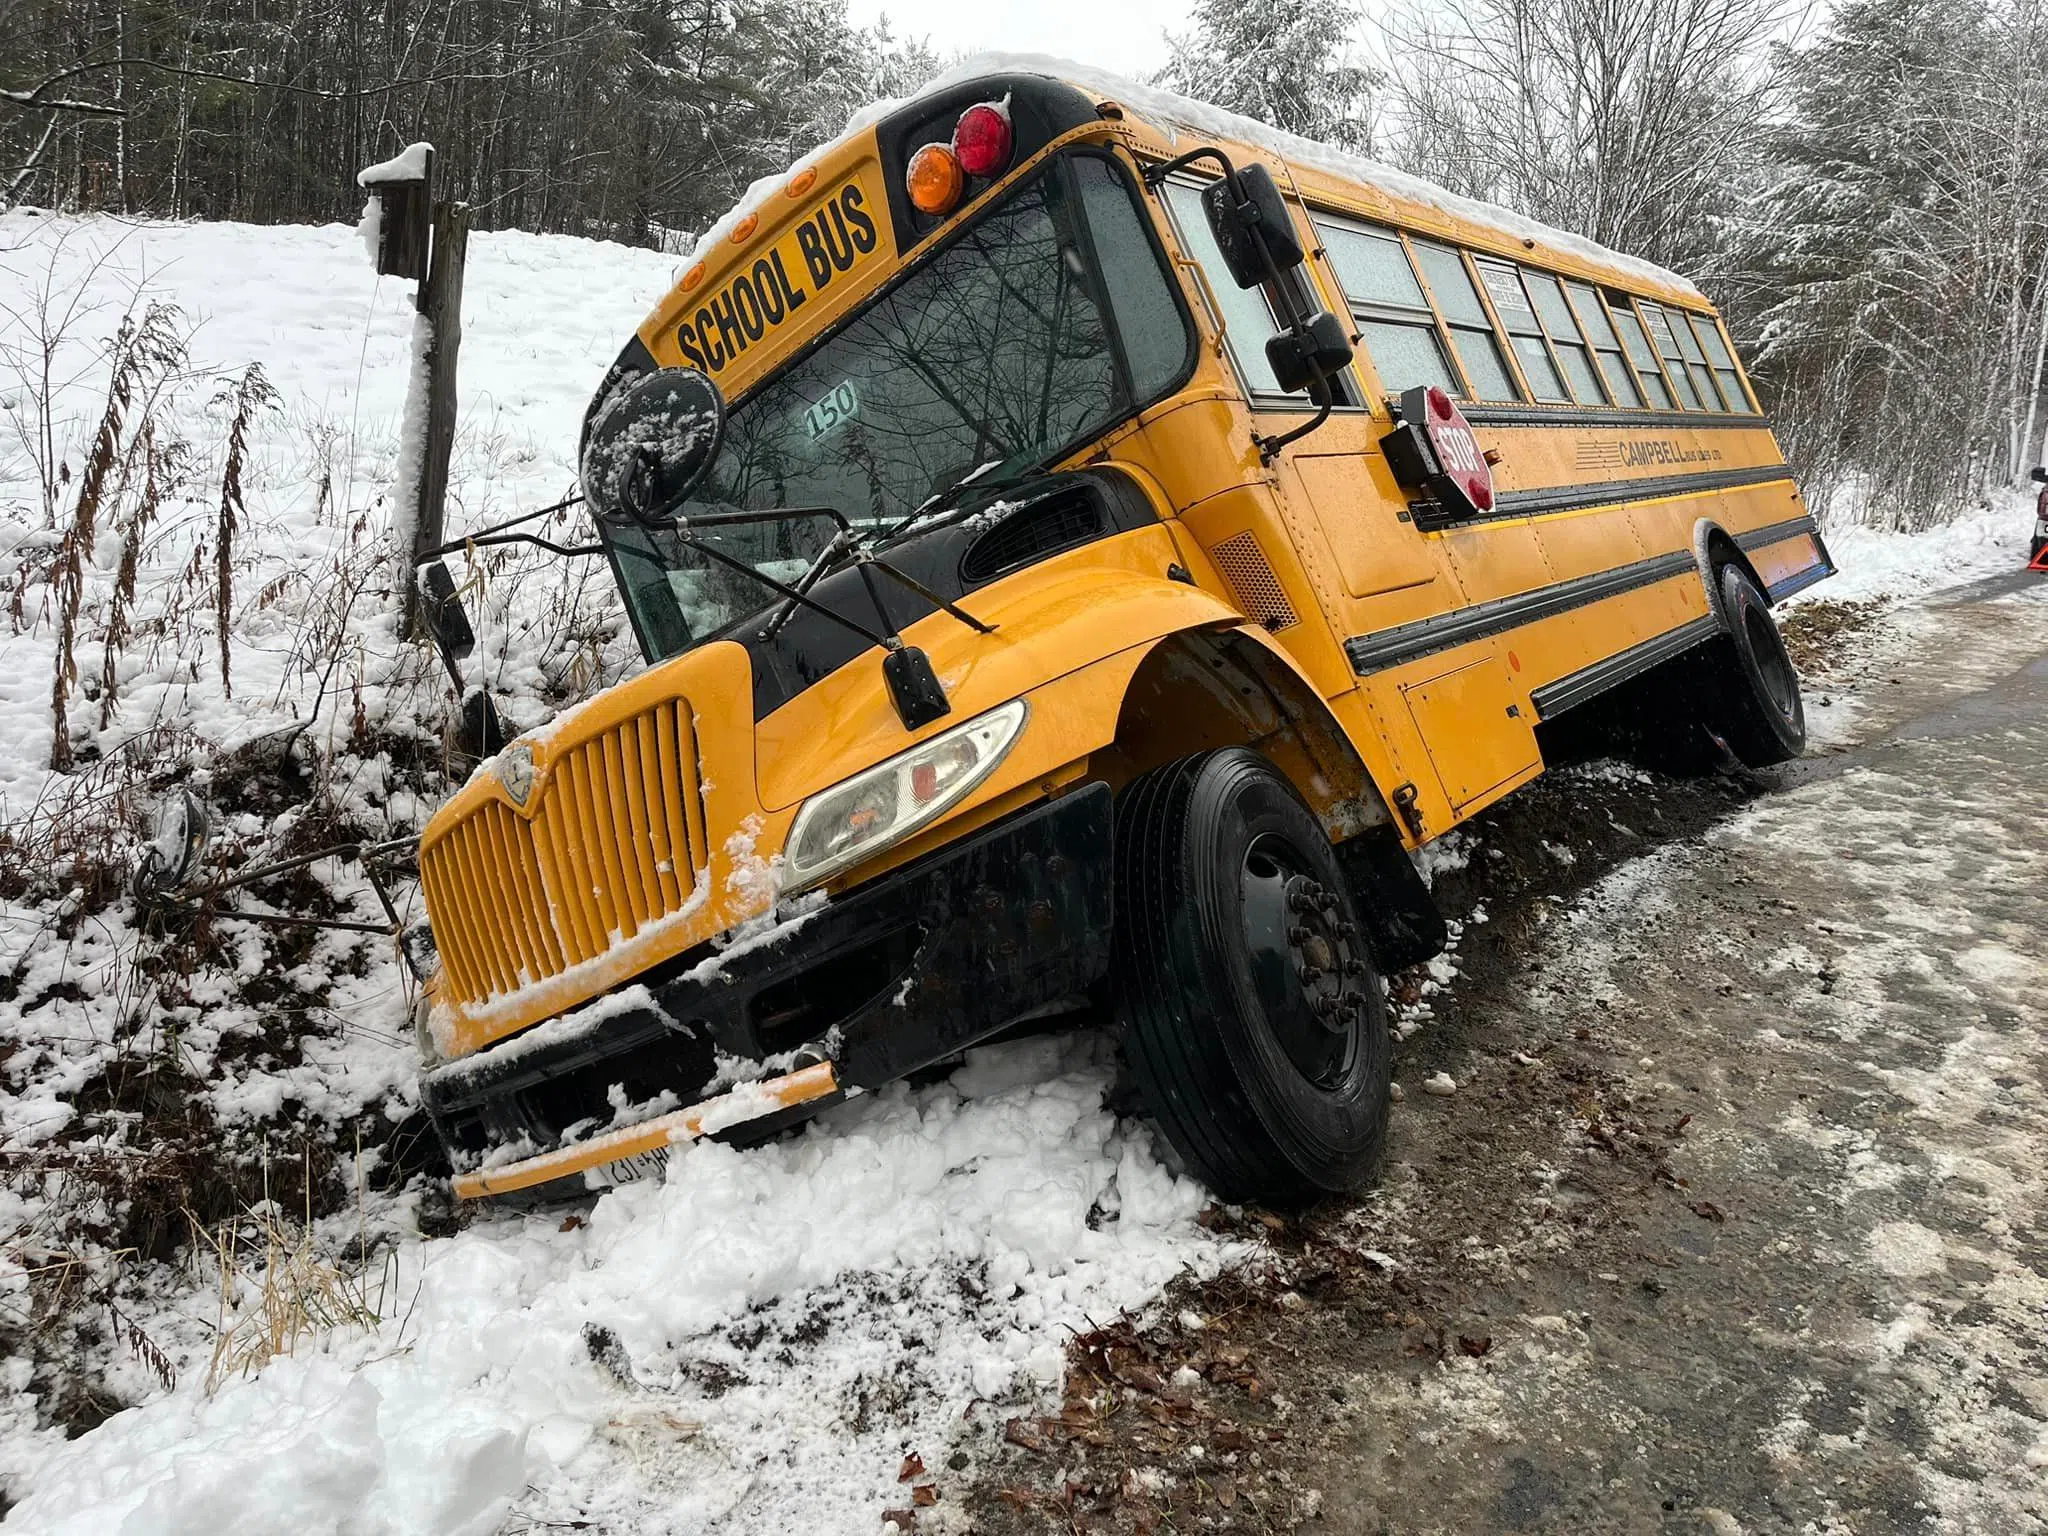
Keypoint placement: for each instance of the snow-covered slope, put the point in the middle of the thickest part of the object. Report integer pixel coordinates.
(753, 1345)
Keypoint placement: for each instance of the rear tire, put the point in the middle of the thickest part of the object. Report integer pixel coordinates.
(1252, 1017)
(1754, 703)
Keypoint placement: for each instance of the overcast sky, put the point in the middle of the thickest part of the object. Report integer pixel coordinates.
(1123, 35)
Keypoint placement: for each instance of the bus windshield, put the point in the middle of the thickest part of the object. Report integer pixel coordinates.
(1047, 321)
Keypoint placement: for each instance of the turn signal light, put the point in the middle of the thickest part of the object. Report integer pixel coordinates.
(982, 139)
(934, 180)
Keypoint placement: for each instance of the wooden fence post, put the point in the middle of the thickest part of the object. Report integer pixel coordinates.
(440, 306)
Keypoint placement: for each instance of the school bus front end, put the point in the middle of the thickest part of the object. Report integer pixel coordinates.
(1017, 647)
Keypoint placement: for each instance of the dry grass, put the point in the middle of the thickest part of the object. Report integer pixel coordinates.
(278, 1288)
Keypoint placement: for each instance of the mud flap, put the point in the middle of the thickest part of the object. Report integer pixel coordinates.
(1402, 924)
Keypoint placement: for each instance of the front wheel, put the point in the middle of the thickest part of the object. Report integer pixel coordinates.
(1252, 1016)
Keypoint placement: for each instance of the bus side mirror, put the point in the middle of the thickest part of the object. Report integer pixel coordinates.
(650, 447)
(2040, 476)
(1321, 348)
(1242, 208)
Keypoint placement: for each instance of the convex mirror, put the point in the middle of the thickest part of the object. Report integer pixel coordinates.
(651, 444)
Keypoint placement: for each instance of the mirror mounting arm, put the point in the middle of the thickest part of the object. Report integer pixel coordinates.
(1325, 398)
(1155, 175)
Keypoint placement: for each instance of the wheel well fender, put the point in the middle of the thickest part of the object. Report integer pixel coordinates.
(1200, 689)
(1713, 547)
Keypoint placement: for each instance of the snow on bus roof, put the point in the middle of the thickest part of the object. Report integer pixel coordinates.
(1169, 111)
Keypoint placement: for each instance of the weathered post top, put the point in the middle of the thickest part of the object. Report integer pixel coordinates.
(399, 217)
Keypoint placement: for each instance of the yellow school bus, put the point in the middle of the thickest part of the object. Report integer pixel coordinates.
(1081, 545)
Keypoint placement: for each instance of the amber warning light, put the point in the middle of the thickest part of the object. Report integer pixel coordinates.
(982, 141)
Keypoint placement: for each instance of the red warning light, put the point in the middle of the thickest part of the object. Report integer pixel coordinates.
(982, 139)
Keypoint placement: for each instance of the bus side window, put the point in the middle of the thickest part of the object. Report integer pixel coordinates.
(1723, 362)
(1612, 362)
(1565, 338)
(1674, 359)
(1471, 332)
(1247, 317)
(1640, 352)
(1695, 360)
(1525, 332)
(1387, 303)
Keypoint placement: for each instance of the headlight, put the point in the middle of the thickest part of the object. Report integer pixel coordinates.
(871, 810)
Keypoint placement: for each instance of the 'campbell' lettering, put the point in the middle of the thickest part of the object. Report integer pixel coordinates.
(758, 298)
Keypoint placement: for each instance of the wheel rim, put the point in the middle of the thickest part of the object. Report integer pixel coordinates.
(1773, 666)
(1306, 962)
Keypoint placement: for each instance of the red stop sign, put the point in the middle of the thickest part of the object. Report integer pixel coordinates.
(1457, 451)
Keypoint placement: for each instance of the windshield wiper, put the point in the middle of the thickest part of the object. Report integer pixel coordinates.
(977, 479)
(847, 541)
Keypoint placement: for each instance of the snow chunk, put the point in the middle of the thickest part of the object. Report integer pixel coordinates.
(409, 164)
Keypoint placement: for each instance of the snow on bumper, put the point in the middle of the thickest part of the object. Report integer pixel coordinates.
(637, 1151)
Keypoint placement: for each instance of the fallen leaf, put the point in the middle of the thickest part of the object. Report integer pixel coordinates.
(913, 1466)
(571, 1222)
(924, 1495)
(1708, 1209)
(1467, 1345)
(1026, 1433)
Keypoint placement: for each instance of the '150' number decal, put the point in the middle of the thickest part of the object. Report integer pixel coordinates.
(839, 406)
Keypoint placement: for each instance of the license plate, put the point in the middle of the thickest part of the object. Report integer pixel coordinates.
(629, 1170)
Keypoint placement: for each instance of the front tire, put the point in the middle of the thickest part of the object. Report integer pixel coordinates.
(1252, 1017)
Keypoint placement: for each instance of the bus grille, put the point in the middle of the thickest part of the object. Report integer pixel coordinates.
(616, 842)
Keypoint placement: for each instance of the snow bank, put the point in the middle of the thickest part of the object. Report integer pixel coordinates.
(751, 1345)
(1874, 563)
(336, 342)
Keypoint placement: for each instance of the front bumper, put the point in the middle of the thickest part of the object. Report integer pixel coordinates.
(905, 971)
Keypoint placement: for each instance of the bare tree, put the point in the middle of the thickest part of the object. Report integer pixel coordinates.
(1620, 119)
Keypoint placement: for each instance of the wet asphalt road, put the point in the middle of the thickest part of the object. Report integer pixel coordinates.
(1746, 1179)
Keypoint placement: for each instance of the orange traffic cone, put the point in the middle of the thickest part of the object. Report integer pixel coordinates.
(2040, 561)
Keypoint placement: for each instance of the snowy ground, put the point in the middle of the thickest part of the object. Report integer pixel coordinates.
(757, 1343)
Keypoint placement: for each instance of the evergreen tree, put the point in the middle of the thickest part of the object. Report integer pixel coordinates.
(1292, 65)
(635, 119)
(1895, 266)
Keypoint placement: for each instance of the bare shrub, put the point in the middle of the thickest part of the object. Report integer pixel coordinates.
(278, 1288)
(143, 356)
(246, 396)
